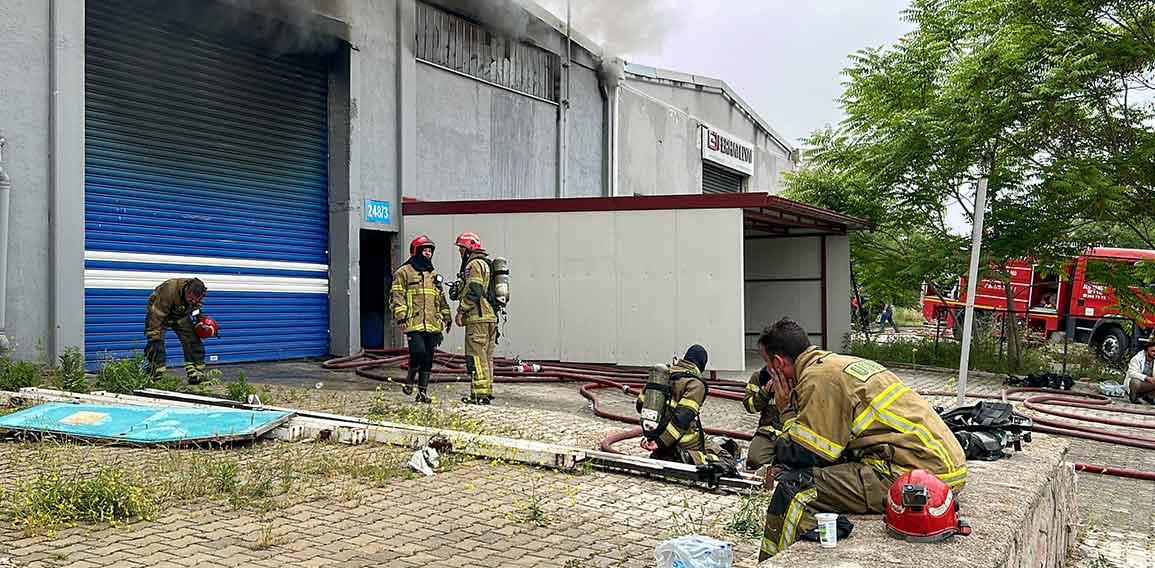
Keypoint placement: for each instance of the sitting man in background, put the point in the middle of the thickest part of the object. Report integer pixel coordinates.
(1140, 381)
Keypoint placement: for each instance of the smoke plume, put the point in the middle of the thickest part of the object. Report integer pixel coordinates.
(279, 26)
(621, 27)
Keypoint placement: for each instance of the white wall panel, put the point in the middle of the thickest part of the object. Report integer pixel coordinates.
(838, 290)
(775, 262)
(630, 287)
(783, 258)
(589, 291)
(647, 256)
(709, 298)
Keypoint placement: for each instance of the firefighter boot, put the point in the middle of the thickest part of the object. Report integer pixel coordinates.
(423, 388)
(407, 388)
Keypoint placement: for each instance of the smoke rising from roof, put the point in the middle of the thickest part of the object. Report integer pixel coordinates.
(280, 26)
(621, 27)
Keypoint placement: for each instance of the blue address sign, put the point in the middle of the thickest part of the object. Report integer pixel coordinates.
(377, 211)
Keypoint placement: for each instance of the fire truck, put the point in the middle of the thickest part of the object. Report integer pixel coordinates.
(1048, 304)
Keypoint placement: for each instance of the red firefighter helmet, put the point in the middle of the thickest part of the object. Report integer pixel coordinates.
(421, 241)
(206, 327)
(470, 241)
(921, 508)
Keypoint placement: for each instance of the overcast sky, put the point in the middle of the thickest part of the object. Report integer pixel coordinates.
(783, 57)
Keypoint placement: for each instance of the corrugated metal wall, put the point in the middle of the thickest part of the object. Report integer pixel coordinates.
(205, 158)
(717, 179)
(632, 287)
(455, 43)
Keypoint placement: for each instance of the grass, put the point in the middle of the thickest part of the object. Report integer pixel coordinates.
(985, 356)
(531, 510)
(15, 375)
(428, 415)
(240, 390)
(749, 520)
(59, 497)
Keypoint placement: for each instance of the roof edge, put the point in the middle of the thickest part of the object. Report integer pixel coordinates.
(652, 74)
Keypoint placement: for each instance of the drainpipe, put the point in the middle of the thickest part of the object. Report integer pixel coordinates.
(610, 89)
(563, 111)
(5, 200)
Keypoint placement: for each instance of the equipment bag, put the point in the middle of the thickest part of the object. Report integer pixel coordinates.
(985, 429)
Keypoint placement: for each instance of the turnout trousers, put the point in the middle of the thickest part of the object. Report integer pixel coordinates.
(480, 339)
(190, 342)
(849, 488)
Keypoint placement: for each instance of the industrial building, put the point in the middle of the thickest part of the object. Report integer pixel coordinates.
(267, 147)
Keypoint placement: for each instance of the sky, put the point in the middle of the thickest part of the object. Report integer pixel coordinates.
(784, 58)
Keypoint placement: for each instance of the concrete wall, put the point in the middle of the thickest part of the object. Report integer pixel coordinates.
(477, 141)
(783, 278)
(650, 108)
(587, 130)
(42, 46)
(632, 287)
(659, 149)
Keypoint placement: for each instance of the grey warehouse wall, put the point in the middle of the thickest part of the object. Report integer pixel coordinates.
(476, 141)
(586, 148)
(658, 151)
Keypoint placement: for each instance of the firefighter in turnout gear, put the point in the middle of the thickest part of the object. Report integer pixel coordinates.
(850, 428)
(683, 439)
(175, 305)
(759, 399)
(421, 312)
(477, 314)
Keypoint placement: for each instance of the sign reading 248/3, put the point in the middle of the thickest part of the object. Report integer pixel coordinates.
(377, 211)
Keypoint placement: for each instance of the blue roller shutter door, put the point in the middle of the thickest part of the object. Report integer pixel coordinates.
(206, 158)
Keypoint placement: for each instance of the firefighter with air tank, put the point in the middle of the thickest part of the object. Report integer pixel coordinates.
(482, 291)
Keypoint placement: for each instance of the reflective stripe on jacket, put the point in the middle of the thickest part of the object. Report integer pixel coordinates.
(418, 300)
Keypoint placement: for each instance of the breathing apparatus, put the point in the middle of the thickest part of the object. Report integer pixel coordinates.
(655, 402)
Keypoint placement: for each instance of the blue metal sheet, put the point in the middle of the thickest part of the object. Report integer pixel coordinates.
(202, 146)
(144, 424)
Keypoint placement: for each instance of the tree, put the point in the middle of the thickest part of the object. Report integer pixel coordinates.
(1050, 98)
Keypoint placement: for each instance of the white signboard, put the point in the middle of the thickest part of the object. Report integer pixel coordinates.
(727, 150)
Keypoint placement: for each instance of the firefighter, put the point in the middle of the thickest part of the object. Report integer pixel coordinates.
(850, 429)
(477, 314)
(175, 305)
(759, 399)
(421, 312)
(684, 440)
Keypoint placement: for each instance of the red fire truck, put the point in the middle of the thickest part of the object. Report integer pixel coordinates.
(1047, 304)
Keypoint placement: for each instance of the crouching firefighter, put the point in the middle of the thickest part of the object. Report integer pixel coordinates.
(481, 292)
(759, 399)
(850, 428)
(670, 405)
(421, 312)
(176, 305)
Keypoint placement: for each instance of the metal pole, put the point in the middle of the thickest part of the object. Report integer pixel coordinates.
(972, 282)
(563, 110)
(5, 201)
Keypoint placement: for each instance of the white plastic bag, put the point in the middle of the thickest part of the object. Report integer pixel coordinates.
(425, 461)
(1112, 389)
(694, 551)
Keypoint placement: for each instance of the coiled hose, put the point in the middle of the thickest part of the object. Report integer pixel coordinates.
(450, 367)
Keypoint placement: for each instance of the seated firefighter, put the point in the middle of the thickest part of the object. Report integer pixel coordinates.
(679, 436)
(759, 399)
(851, 428)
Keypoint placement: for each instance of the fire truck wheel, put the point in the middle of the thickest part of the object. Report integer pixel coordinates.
(1110, 342)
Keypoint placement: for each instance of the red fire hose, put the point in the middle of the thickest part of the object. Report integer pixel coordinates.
(372, 364)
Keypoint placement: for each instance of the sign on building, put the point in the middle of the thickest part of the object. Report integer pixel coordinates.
(726, 149)
(377, 211)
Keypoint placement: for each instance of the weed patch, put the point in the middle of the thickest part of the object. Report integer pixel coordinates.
(55, 498)
(15, 375)
(748, 521)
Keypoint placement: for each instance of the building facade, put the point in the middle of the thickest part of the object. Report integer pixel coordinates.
(269, 152)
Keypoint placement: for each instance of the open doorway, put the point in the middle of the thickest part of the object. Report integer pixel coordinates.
(376, 278)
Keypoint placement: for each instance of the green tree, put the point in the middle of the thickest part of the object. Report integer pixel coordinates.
(1049, 98)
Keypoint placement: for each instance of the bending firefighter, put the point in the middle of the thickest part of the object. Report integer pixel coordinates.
(421, 312)
(850, 429)
(670, 405)
(759, 399)
(176, 305)
(477, 313)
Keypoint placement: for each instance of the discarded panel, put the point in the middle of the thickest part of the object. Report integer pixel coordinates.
(144, 425)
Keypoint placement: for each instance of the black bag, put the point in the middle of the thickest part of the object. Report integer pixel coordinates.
(985, 429)
(1042, 381)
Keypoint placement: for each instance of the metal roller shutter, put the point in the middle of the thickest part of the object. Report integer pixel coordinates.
(207, 158)
(716, 179)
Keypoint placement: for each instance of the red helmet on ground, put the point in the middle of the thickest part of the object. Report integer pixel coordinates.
(921, 508)
(206, 327)
(421, 241)
(469, 240)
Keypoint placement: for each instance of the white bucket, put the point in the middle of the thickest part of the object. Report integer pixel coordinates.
(827, 529)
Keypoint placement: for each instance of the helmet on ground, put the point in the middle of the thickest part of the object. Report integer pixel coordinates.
(419, 243)
(469, 241)
(206, 327)
(921, 508)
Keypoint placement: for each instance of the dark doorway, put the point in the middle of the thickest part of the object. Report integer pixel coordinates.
(376, 277)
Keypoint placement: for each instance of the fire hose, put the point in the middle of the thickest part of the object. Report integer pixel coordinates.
(372, 364)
